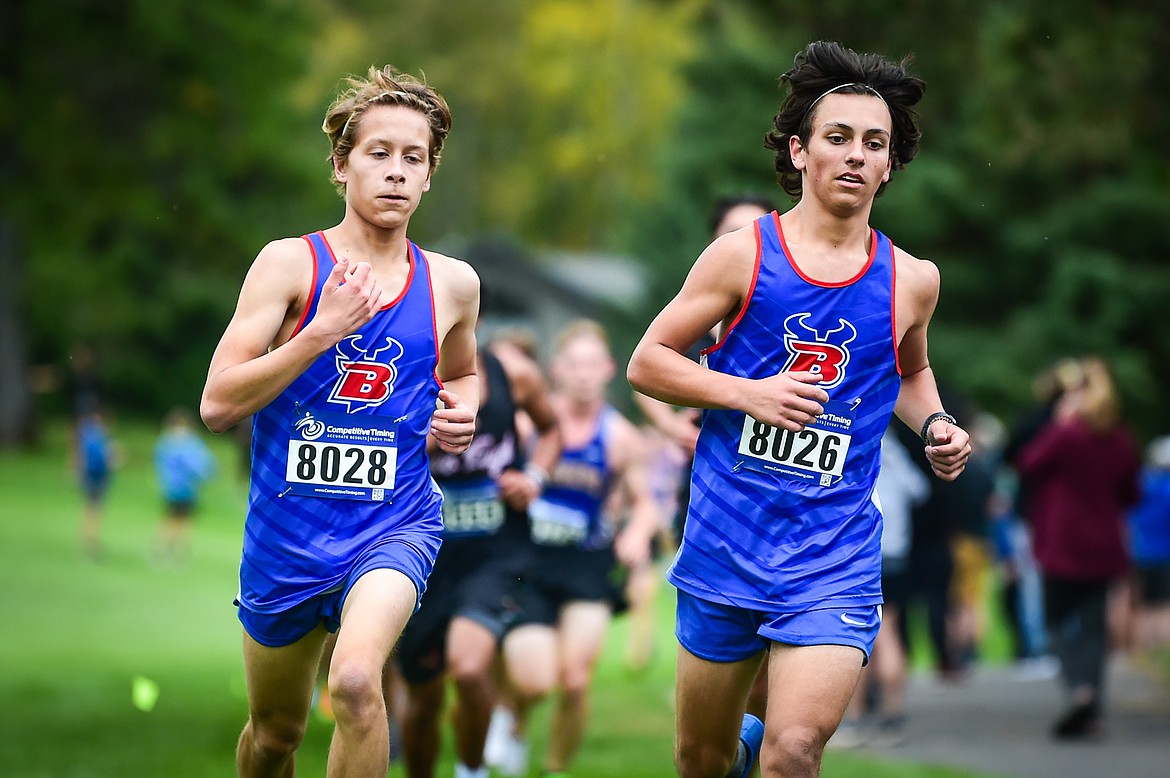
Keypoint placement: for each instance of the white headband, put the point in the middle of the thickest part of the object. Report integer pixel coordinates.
(866, 87)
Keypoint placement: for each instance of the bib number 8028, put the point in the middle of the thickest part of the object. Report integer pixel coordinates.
(811, 449)
(349, 465)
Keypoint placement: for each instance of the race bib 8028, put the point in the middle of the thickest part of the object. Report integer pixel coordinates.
(342, 456)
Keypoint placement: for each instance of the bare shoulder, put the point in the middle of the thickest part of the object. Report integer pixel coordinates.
(714, 290)
(625, 440)
(283, 267)
(731, 257)
(919, 277)
(457, 277)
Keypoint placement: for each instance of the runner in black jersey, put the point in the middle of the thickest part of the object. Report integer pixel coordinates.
(470, 596)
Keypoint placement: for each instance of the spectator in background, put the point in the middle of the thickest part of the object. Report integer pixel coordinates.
(95, 460)
(1023, 588)
(968, 502)
(1020, 591)
(930, 566)
(1149, 524)
(1083, 470)
(950, 546)
(182, 464)
(901, 485)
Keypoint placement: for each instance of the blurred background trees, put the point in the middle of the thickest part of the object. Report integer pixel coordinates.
(150, 149)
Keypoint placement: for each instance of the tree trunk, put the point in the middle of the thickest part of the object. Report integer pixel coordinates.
(16, 418)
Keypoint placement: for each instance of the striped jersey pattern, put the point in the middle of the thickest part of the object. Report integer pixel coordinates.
(574, 496)
(297, 546)
(766, 540)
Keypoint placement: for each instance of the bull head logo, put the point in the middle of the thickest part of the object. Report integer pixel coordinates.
(810, 350)
(366, 377)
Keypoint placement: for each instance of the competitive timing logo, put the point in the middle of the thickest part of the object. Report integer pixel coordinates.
(366, 376)
(811, 351)
(310, 428)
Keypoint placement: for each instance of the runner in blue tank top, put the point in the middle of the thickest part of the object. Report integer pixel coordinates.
(472, 592)
(342, 346)
(822, 325)
(567, 600)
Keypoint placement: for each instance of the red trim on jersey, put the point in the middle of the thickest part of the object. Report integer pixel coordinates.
(894, 305)
(434, 318)
(750, 292)
(312, 287)
(409, 278)
(873, 241)
(409, 272)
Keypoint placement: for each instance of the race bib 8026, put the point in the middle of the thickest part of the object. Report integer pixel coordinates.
(816, 453)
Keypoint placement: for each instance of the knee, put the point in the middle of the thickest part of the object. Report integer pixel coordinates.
(424, 705)
(356, 691)
(274, 741)
(468, 668)
(533, 684)
(574, 681)
(796, 750)
(693, 759)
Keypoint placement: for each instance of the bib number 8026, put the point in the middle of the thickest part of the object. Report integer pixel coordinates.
(811, 449)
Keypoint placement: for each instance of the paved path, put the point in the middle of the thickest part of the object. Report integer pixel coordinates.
(997, 724)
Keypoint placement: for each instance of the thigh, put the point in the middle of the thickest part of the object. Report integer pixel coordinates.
(376, 609)
(809, 687)
(710, 700)
(581, 632)
(280, 680)
(530, 657)
(471, 647)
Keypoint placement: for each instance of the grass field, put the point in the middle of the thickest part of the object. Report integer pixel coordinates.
(74, 634)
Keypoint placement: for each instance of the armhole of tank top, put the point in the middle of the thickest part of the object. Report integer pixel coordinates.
(503, 383)
(747, 300)
(413, 259)
(311, 299)
(605, 435)
(894, 305)
(421, 262)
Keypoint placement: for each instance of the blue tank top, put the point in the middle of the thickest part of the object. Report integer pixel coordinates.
(569, 512)
(782, 521)
(339, 461)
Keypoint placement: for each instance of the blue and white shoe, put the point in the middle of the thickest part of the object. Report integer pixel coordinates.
(751, 734)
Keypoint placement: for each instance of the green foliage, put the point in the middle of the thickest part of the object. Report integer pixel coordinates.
(150, 149)
(153, 146)
(1040, 190)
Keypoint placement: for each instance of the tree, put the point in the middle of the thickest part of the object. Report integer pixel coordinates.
(152, 165)
(1039, 190)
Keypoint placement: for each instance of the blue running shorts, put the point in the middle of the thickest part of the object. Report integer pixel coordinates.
(412, 554)
(724, 633)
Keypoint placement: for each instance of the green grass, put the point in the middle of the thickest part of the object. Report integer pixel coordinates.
(75, 633)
